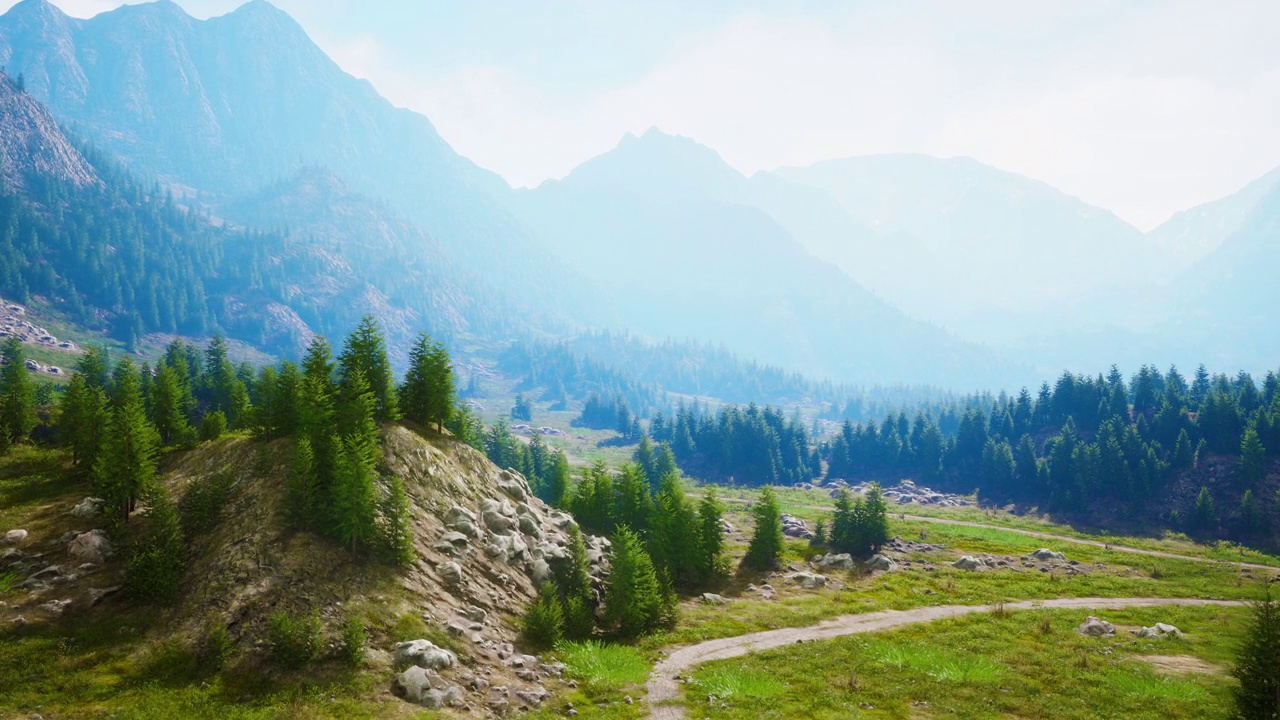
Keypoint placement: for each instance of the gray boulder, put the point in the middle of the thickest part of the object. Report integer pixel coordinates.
(1094, 627)
(1159, 631)
(426, 688)
(88, 507)
(969, 562)
(808, 581)
(881, 562)
(842, 561)
(424, 654)
(90, 547)
(1047, 555)
(498, 523)
(13, 537)
(450, 572)
(539, 572)
(714, 599)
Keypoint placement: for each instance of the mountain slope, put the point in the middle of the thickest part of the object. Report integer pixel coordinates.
(32, 145)
(232, 104)
(959, 239)
(667, 223)
(1193, 234)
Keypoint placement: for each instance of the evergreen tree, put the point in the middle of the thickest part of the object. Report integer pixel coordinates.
(635, 601)
(1253, 458)
(154, 568)
(83, 421)
(765, 548)
(213, 426)
(354, 501)
(1204, 517)
(17, 395)
(396, 528)
(633, 504)
(95, 366)
(365, 353)
(644, 458)
(125, 468)
(301, 497)
(711, 561)
(573, 578)
(167, 411)
(555, 487)
(428, 393)
(876, 520)
(1257, 665)
(543, 623)
(674, 534)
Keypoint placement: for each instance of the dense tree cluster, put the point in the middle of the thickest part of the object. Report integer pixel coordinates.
(1086, 439)
(546, 468)
(565, 375)
(747, 446)
(600, 414)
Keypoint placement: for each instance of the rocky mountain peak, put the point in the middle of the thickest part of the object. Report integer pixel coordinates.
(32, 144)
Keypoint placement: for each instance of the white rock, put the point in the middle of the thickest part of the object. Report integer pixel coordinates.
(424, 654)
(13, 537)
(1094, 627)
(425, 687)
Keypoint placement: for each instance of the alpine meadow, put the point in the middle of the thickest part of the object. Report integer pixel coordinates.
(639, 360)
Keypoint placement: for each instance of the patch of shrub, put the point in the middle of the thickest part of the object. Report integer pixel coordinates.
(201, 506)
(216, 649)
(213, 426)
(354, 637)
(544, 621)
(294, 638)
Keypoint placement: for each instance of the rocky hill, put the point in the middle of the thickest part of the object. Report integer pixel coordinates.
(482, 541)
(32, 144)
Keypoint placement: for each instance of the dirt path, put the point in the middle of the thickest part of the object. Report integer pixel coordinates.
(1048, 536)
(663, 688)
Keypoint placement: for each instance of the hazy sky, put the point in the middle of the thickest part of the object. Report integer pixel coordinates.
(1142, 107)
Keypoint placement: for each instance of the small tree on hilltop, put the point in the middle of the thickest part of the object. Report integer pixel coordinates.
(766, 541)
(635, 602)
(1258, 665)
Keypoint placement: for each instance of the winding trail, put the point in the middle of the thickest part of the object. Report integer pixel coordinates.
(663, 687)
(1046, 536)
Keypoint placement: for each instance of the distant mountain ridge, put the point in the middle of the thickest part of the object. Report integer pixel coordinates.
(32, 144)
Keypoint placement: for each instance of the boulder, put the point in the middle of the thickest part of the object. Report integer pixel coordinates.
(1047, 555)
(450, 572)
(1094, 627)
(465, 527)
(453, 537)
(513, 485)
(842, 561)
(425, 687)
(90, 547)
(498, 523)
(808, 581)
(880, 562)
(795, 527)
(714, 599)
(13, 537)
(529, 526)
(533, 697)
(539, 572)
(88, 507)
(424, 654)
(968, 562)
(1158, 631)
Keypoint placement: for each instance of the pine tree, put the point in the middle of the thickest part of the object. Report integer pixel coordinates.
(1253, 458)
(644, 458)
(354, 501)
(765, 548)
(83, 422)
(543, 623)
(427, 395)
(635, 601)
(633, 503)
(673, 535)
(396, 528)
(95, 366)
(876, 519)
(125, 469)
(1204, 517)
(167, 413)
(17, 395)
(1257, 666)
(556, 486)
(573, 578)
(365, 353)
(301, 496)
(154, 569)
(711, 561)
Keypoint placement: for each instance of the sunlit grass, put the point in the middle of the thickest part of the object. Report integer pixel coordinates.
(603, 663)
(736, 683)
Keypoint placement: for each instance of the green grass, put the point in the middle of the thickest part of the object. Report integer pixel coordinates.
(736, 683)
(988, 666)
(603, 664)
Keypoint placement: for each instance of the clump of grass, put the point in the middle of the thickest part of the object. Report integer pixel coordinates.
(8, 579)
(603, 663)
(1156, 573)
(1146, 684)
(937, 665)
(1044, 624)
(731, 682)
(999, 611)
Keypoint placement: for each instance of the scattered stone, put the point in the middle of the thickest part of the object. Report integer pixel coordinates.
(55, 607)
(1094, 627)
(424, 654)
(795, 527)
(969, 562)
(13, 537)
(533, 697)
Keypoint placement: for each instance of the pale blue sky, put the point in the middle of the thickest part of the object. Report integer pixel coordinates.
(1142, 107)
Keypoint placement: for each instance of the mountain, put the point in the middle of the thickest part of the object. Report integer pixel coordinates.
(1227, 299)
(1191, 235)
(669, 225)
(32, 145)
(957, 241)
(226, 106)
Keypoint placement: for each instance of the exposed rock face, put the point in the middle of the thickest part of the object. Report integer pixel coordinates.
(32, 144)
